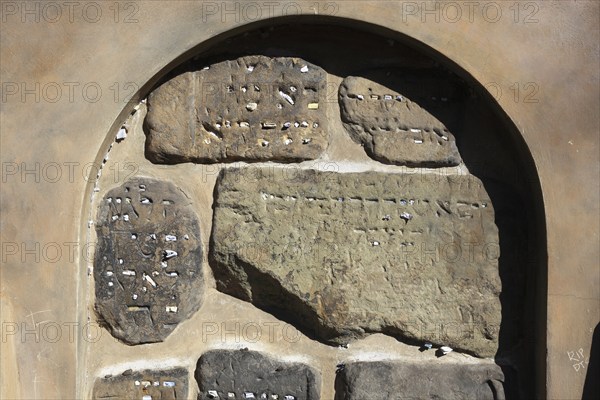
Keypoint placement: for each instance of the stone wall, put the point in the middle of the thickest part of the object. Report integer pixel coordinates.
(307, 272)
(304, 218)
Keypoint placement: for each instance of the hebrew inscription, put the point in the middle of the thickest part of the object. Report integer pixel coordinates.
(408, 381)
(147, 268)
(145, 385)
(392, 128)
(253, 108)
(242, 374)
(342, 255)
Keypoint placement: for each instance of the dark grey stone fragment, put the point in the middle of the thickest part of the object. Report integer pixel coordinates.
(418, 381)
(168, 384)
(243, 374)
(148, 263)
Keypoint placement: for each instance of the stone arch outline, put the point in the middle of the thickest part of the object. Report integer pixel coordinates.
(529, 181)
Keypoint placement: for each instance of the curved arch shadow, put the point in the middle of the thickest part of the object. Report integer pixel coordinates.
(591, 388)
(490, 144)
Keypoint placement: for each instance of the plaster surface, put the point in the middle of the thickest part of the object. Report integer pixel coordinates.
(45, 216)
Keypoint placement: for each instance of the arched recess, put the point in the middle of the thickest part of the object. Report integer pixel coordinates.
(491, 146)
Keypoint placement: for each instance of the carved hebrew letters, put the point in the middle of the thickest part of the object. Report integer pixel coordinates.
(253, 108)
(392, 128)
(148, 261)
(341, 255)
(242, 374)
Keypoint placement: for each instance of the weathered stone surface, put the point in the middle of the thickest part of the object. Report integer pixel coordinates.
(412, 381)
(146, 385)
(253, 108)
(342, 255)
(147, 268)
(392, 128)
(242, 374)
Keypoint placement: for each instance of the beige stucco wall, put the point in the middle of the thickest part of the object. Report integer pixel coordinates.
(80, 51)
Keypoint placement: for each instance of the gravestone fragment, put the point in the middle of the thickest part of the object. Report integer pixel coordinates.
(342, 255)
(392, 128)
(243, 374)
(168, 384)
(254, 108)
(147, 267)
(390, 380)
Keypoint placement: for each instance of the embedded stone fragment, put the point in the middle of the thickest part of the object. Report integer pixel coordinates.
(392, 128)
(168, 384)
(254, 108)
(390, 380)
(148, 263)
(243, 374)
(341, 255)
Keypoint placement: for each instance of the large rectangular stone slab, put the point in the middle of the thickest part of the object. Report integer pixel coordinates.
(345, 254)
(254, 108)
(391, 380)
(243, 374)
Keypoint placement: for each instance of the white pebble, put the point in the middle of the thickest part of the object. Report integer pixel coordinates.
(170, 254)
(122, 134)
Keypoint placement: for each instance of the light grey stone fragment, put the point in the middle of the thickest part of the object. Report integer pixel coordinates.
(254, 108)
(414, 256)
(392, 128)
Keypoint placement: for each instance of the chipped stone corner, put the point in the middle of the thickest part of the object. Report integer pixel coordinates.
(245, 374)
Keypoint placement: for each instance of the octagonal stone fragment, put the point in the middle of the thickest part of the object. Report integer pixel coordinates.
(168, 384)
(392, 380)
(392, 128)
(254, 108)
(243, 374)
(148, 263)
(342, 255)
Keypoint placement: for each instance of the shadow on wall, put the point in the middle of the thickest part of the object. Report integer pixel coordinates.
(591, 388)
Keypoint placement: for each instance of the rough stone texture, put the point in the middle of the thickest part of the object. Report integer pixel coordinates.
(341, 255)
(560, 131)
(143, 289)
(411, 381)
(253, 108)
(392, 128)
(158, 385)
(252, 375)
